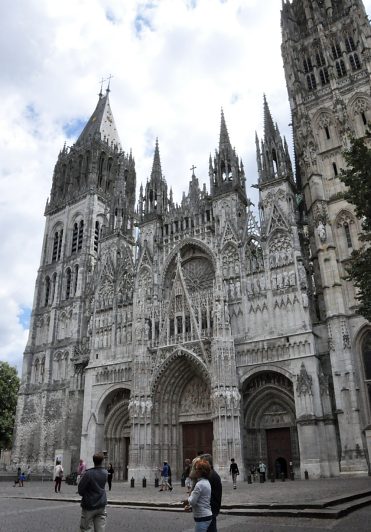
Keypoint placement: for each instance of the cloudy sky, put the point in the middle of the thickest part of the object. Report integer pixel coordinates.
(175, 64)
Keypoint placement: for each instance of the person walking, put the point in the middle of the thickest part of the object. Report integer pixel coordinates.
(110, 471)
(94, 499)
(58, 475)
(233, 470)
(165, 478)
(216, 492)
(199, 499)
(16, 480)
(81, 468)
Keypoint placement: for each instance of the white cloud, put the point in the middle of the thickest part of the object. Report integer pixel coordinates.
(175, 63)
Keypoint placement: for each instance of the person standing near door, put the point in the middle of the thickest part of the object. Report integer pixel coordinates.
(262, 470)
(110, 476)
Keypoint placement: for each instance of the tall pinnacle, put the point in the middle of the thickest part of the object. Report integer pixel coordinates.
(156, 174)
(269, 129)
(101, 123)
(224, 142)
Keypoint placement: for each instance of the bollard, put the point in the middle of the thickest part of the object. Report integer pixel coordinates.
(261, 478)
(272, 478)
(249, 481)
(156, 482)
(132, 482)
(292, 475)
(144, 482)
(283, 477)
(306, 475)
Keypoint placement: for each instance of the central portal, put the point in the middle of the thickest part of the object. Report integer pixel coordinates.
(197, 437)
(279, 451)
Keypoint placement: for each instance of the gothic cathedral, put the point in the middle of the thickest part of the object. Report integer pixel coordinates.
(162, 329)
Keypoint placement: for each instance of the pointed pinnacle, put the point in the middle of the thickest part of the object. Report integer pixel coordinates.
(224, 141)
(269, 128)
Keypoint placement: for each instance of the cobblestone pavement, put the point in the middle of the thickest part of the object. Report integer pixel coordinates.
(288, 492)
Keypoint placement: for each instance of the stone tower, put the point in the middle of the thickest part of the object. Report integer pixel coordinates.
(326, 53)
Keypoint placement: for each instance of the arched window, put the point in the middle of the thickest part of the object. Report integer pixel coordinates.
(96, 236)
(68, 283)
(355, 63)
(74, 238)
(311, 82)
(100, 170)
(81, 235)
(55, 246)
(54, 286)
(348, 235)
(47, 290)
(366, 356)
(340, 68)
(366, 359)
(60, 244)
(324, 76)
(76, 278)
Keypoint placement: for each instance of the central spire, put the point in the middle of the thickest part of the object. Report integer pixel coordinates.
(101, 124)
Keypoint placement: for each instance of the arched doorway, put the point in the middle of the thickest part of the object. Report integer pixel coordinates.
(269, 422)
(117, 431)
(182, 410)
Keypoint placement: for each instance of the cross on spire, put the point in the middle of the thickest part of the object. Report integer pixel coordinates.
(193, 168)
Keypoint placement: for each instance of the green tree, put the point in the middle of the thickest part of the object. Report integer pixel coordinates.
(9, 386)
(357, 177)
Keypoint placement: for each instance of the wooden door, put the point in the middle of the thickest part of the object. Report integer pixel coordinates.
(197, 437)
(279, 451)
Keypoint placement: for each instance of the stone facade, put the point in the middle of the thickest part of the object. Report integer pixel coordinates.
(160, 329)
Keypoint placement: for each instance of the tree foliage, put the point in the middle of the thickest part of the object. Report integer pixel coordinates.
(357, 177)
(9, 386)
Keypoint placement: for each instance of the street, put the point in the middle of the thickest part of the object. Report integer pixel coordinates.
(26, 515)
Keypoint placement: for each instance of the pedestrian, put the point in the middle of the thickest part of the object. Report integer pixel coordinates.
(233, 470)
(58, 475)
(110, 472)
(22, 478)
(186, 475)
(262, 470)
(253, 472)
(94, 499)
(169, 479)
(16, 480)
(29, 471)
(199, 499)
(216, 492)
(81, 468)
(165, 477)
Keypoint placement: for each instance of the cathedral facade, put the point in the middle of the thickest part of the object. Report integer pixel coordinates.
(161, 329)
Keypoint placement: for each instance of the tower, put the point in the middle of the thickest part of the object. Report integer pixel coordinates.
(92, 194)
(325, 48)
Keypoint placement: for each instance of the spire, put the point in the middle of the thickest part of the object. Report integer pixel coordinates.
(155, 198)
(156, 174)
(269, 129)
(272, 157)
(224, 142)
(101, 124)
(226, 174)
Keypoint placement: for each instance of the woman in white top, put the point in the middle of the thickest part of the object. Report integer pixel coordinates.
(58, 475)
(200, 497)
